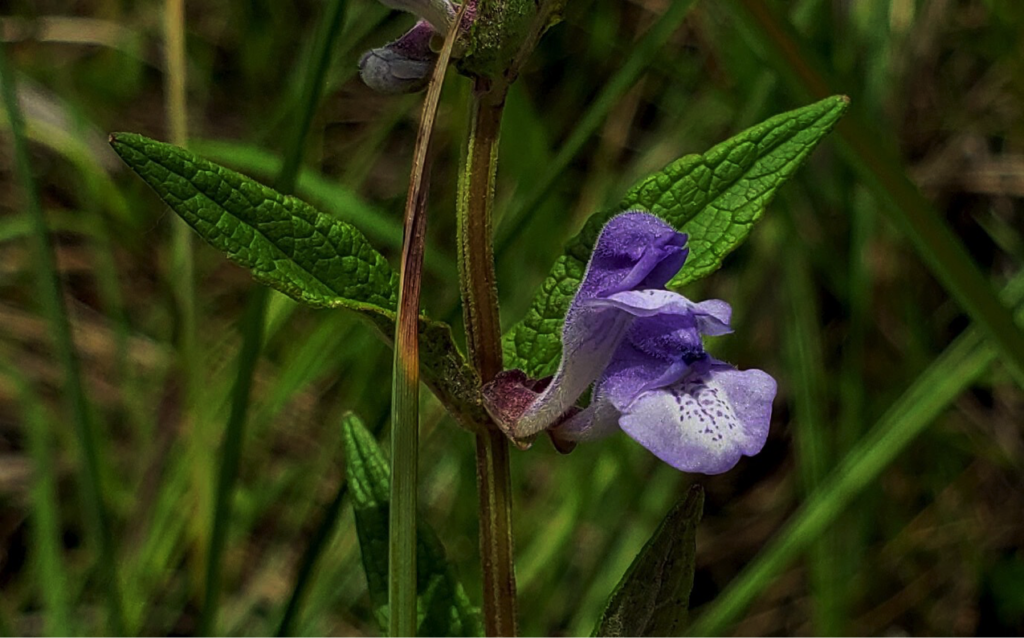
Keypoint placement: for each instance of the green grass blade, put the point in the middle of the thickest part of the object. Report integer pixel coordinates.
(181, 270)
(51, 577)
(405, 379)
(956, 369)
(77, 403)
(254, 320)
(405, 455)
(814, 452)
(310, 557)
(883, 173)
(330, 28)
(231, 452)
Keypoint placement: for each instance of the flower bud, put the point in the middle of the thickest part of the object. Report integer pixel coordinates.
(404, 66)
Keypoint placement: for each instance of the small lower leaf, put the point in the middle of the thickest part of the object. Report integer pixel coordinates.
(444, 608)
(653, 597)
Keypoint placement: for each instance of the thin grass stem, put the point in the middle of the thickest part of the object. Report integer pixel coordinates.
(402, 590)
(309, 560)
(813, 448)
(253, 323)
(76, 402)
(182, 267)
(51, 576)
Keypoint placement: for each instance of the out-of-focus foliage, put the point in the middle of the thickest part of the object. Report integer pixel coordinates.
(932, 546)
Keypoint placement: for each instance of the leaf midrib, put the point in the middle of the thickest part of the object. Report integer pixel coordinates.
(256, 230)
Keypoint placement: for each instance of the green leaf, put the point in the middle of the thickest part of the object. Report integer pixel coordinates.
(293, 248)
(286, 243)
(653, 597)
(715, 198)
(444, 608)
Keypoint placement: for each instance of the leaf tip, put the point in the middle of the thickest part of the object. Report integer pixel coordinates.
(693, 504)
(841, 104)
(115, 141)
(119, 140)
(117, 137)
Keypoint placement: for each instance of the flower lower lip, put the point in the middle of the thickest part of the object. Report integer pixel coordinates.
(640, 345)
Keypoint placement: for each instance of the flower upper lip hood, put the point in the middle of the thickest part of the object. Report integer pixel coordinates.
(641, 347)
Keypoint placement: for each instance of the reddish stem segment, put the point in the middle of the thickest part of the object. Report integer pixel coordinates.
(483, 337)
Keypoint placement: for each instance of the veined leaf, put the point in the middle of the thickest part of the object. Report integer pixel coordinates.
(715, 198)
(653, 596)
(444, 609)
(284, 242)
(293, 248)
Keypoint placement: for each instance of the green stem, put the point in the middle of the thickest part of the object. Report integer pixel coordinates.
(496, 549)
(475, 240)
(254, 320)
(175, 80)
(483, 338)
(52, 300)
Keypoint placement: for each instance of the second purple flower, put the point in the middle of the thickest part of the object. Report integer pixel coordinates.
(641, 347)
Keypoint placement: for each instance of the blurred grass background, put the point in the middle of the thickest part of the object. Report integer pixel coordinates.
(829, 297)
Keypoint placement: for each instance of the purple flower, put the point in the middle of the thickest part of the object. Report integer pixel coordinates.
(642, 346)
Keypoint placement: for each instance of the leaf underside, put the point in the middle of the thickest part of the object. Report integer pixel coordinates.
(715, 198)
(299, 251)
(444, 609)
(653, 596)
